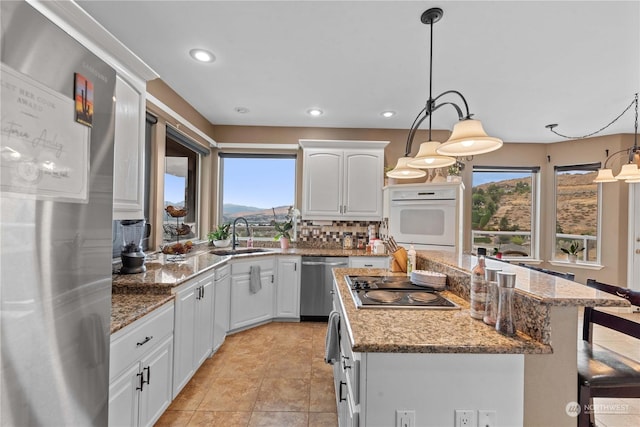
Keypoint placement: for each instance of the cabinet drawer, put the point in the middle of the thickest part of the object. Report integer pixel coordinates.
(369, 262)
(245, 266)
(138, 338)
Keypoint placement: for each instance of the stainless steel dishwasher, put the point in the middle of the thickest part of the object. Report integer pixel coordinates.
(316, 285)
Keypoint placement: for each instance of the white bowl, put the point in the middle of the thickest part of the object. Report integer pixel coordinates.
(222, 243)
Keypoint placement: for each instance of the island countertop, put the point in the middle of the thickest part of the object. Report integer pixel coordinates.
(540, 287)
(381, 330)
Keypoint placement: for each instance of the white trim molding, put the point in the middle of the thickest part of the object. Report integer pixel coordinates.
(258, 146)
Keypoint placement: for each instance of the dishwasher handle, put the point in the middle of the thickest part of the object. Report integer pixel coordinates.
(330, 264)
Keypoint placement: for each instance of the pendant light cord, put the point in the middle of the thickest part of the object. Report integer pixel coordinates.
(552, 127)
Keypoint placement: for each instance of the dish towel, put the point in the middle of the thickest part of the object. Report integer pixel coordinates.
(332, 343)
(254, 279)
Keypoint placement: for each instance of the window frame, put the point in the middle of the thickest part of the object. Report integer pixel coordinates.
(177, 137)
(280, 154)
(534, 253)
(593, 167)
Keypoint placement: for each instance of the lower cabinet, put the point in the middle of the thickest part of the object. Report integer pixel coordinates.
(288, 287)
(141, 368)
(193, 328)
(222, 304)
(247, 307)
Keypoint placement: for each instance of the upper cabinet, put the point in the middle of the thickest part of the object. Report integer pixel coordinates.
(130, 93)
(128, 161)
(342, 180)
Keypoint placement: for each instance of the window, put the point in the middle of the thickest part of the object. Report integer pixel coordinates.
(504, 210)
(257, 186)
(577, 212)
(181, 177)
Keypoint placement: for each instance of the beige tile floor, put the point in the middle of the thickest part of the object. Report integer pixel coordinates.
(616, 412)
(275, 375)
(272, 375)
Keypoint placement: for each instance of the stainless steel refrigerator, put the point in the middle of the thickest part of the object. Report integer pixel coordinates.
(56, 164)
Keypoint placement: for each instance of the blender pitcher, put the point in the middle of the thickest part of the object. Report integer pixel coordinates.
(132, 255)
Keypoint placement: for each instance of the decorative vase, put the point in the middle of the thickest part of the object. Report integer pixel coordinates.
(573, 258)
(284, 243)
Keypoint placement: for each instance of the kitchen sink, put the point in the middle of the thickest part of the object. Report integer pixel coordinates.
(239, 251)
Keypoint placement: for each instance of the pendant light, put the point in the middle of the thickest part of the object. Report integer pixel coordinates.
(403, 171)
(468, 137)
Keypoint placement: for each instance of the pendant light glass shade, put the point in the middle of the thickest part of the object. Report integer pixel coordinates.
(605, 175)
(403, 171)
(629, 171)
(468, 139)
(428, 158)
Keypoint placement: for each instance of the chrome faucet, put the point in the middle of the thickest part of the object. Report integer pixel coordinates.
(233, 232)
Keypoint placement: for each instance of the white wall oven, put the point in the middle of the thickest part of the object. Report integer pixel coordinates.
(428, 216)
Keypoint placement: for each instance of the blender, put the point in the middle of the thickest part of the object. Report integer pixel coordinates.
(132, 255)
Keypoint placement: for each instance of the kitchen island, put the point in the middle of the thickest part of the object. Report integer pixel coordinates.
(434, 362)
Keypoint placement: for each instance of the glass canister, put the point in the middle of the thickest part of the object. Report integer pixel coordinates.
(504, 322)
(478, 287)
(491, 306)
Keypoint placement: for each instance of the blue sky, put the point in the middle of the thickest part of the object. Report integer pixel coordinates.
(261, 183)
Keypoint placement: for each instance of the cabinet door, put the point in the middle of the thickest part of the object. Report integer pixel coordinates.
(248, 308)
(204, 320)
(222, 302)
(123, 398)
(288, 288)
(363, 184)
(156, 394)
(322, 184)
(128, 162)
(184, 338)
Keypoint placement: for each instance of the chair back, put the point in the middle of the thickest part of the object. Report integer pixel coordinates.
(611, 321)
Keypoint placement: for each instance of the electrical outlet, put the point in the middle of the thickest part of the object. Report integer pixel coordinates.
(405, 418)
(465, 418)
(486, 418)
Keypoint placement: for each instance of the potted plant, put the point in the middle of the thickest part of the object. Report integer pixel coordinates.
(454, 171)
(497, 253)
(220, 237)
(283, 229)
(572, 251)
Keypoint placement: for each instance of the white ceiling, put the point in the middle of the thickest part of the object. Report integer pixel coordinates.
(520, 65)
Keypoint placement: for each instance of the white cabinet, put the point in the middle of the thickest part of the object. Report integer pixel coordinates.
(342, 180)
(369, 262)
(288, 287)
(128, 161)
(193, 328)
(251, 308)
(222, 303)
(140, 369)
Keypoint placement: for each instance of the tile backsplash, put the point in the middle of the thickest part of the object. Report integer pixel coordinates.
(313, 235)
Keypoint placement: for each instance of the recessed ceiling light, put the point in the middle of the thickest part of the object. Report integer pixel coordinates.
(202, 55)
(241, 110)
(315, 112)
(388, 114)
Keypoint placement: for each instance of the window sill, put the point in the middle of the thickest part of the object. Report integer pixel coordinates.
(578, 265)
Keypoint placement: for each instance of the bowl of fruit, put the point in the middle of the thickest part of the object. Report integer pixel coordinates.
(177, 248)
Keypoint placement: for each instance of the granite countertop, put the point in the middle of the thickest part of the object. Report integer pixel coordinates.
(126, 309)
(134, 295)
(541, 287)
(424, 331)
